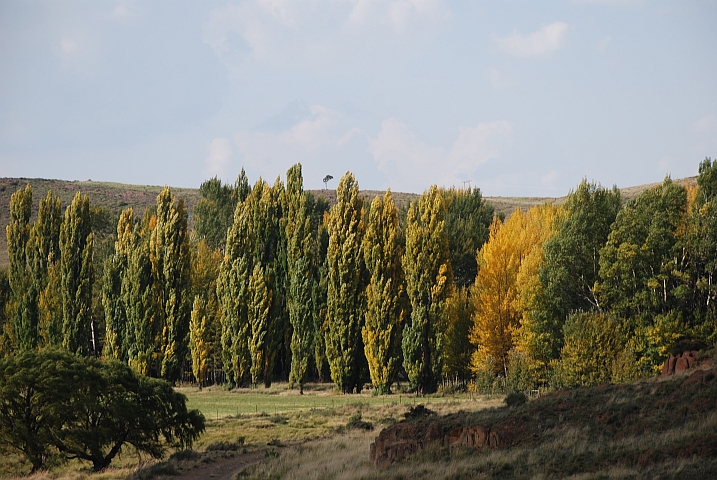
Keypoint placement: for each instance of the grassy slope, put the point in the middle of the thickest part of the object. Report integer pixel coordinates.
(649, 429)
(117, 196)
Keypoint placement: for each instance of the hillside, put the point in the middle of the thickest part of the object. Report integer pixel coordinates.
(117, 196)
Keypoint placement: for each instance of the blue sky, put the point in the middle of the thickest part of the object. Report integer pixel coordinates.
(517, 98)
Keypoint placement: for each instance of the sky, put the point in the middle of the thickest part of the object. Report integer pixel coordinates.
(516, 98)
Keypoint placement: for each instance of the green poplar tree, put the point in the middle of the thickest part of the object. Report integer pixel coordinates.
(113, 301)
(22, 308)
(232, 293)
(299, 263)
(345, 294)
(169, 252)
(385, 292)
(429, 283)
(259, 305)
(76, 242)
(139, 294)
(45, 241)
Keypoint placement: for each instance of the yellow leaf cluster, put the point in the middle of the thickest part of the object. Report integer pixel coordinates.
(507, 282)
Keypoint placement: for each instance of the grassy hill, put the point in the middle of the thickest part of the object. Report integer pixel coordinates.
(117, 196)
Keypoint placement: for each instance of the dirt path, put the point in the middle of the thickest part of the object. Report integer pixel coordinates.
(222, 469)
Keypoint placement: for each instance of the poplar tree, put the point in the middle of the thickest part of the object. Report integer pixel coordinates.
(23, 303)
(232, 293)
(204, 327)
(429, 283)
(76, 243)
(384, 293)
(300, 275)
(345, 297)
(113, 301)
(264, 204)
(199, 340)
(259, 304)
(44, 246)
(139, 294)
(169, 252)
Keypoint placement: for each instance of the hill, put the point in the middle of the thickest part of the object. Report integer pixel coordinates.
(117, 196)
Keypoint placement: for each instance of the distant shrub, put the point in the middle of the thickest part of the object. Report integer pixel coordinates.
(515, 399)
(356, 422)
(419, 411)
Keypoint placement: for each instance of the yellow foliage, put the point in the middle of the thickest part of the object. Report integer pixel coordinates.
(507, 282)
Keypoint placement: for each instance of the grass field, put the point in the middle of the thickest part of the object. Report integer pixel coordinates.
(216, 403)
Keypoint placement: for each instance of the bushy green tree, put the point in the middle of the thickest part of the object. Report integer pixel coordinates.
(76, 243)
(214, 211)
(385, 293)
(429, 283)
(593, 342)
(345, 293)
(642, 268)
(571, 263)
(468, 219)
(54, 401)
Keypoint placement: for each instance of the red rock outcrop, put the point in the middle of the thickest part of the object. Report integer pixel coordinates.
(679, 363)
(404, 439)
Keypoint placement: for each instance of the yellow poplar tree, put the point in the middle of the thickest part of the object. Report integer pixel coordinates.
(384, 293)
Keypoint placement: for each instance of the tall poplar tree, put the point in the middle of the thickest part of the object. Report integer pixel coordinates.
(113, 299)
(139, 294)
(169, 252)
(429, 283)
(76, 242)
(45, 244)
(23, 302)
(345, 297)
(232, 293)
(300, 276)
(385, 304)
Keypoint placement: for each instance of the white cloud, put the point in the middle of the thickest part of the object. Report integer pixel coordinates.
(271, 152)
(127, 12)
(602, 44)
(537, 44)
(500, 79)
(321, 33)
(220, 154)
(412, 165)
(706, 124)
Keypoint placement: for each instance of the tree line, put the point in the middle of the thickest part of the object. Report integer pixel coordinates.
(275, 284)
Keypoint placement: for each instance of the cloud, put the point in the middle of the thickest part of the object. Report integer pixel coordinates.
(602, 44)
(410, 164)
(500, 79)
(706, 124)
(127, 12)
(220, 154)
(332, 34)
(268, 152)
(545, 41)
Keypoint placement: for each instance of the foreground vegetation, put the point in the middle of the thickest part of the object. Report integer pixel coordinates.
(655, 428)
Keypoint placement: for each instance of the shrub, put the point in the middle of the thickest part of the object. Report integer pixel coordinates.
(515, 399)
(356, 422)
